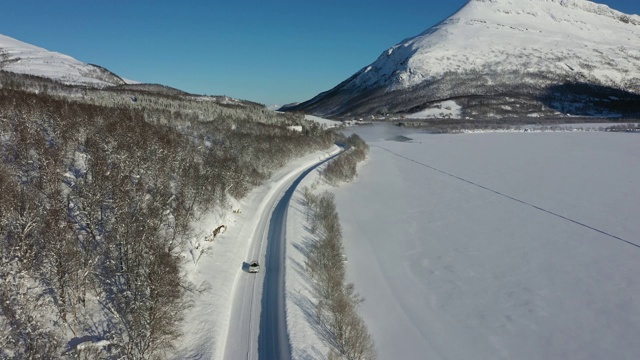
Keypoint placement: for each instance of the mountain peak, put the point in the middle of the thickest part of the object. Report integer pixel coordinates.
(581, 5)
(498, 46)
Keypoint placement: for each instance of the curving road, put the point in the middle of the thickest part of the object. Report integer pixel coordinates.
(273, 339)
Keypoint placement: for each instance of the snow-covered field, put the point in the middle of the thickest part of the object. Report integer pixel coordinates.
(445, 109)
(497, 245)
(322, 121)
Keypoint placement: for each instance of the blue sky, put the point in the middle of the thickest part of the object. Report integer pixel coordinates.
(269, 51)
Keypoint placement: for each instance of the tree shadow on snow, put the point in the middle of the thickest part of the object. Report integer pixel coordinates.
(308, 308)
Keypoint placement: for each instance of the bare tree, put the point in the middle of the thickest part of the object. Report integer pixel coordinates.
(337, 304)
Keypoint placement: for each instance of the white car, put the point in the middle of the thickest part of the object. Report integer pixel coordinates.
(254, 267)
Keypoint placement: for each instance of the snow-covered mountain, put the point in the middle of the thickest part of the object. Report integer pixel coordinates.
(19, 57)
(501, 57)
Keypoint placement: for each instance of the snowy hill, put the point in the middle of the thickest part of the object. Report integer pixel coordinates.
(525, 54)
(19, 57)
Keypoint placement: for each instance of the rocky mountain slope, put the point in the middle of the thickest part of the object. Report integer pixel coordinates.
(502, 58)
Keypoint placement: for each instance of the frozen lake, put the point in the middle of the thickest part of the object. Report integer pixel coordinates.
(497, 245)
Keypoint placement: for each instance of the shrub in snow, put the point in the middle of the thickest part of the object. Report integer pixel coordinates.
(336, 312)
(343, 168)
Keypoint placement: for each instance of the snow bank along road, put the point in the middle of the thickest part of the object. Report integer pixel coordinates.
(222, 322)
(247, 319)
(273, 341)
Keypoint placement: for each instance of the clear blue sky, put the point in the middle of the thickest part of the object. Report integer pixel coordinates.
(269, 51)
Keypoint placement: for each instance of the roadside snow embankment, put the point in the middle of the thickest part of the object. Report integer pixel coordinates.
(321, 307)
(215, 268)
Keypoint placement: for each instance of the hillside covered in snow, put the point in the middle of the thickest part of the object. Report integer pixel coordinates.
(19, 57)
(104, 189)
(502, 58)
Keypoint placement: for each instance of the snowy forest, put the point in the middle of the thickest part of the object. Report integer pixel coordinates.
(99, 188)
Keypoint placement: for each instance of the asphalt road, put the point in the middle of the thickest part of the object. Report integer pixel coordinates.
(273, 339)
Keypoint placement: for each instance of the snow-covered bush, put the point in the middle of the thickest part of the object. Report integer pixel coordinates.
(336, 310)
(344, 167)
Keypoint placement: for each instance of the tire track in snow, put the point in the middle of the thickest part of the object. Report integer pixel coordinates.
(510, 197)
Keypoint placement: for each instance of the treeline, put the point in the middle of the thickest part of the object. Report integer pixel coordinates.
(491, 91)
(169, 106)
(630, 127)
(443, 126)
(344, 167)
(336, 309)
(96, 203)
